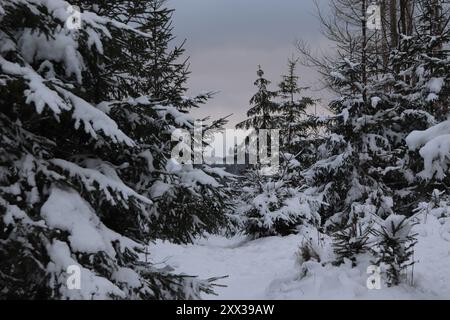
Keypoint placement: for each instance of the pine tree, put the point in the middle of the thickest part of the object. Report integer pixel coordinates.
(262, 115)
(293, 111)
(421, 89)
(188, 200)
(299, 129)
(360, 143)
(365, 158)
(395, 247)
(160, 66)
(269, 206)
(65, 196)
(351, 240)
(382, 96)
(164, 68)
(270, 202)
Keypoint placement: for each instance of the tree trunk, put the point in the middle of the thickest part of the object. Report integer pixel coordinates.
(384, 36)
(393, 23)
(403, 17)
(437, 17)
(364, 47)
(410, 6)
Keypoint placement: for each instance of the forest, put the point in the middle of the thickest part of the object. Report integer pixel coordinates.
(95, 107)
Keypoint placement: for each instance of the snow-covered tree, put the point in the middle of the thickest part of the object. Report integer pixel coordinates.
(421, 73)
(360, 144)
(351, 240)
(188, 200)
(395, 247)
(364, 160)
(299, 128)
(158, 63)
(66, 199)
(262, 114)
(269, 206)
(382, 96)
(270, 203)
(293, 109)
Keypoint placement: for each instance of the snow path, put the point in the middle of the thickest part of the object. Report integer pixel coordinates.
(250, 265)
(266, 268)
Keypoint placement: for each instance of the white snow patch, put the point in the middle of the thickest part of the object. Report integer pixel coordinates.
(435, 150)
(267, 268)
(92, 286)
(67, 211)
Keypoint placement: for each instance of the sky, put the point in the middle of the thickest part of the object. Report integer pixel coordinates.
(228, 39)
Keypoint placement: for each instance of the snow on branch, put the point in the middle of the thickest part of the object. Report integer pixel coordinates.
(90, 178)
(94, 120)
(38, 93)
(435, 151)
(419, 138)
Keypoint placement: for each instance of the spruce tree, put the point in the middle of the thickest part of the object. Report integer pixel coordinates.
(263, 113)
(65, 197)
(158, 63)
(359, 144)
(395, 248)
(271, 203)
(382, 95)
(352, 239)
(419, 78)
(188, 200)
(271, 206)
(365, 161)
(298, 136)
(293, 109)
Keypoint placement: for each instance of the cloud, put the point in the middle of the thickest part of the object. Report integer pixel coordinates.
(228, 39)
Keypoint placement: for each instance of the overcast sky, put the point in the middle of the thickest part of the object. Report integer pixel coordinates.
(228, 39)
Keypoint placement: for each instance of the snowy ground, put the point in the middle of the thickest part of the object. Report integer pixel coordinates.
(267, 269)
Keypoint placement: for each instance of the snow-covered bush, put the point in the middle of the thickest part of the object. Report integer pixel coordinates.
(190, 203)
(315, 246)
(271, 207)
(351, 240)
